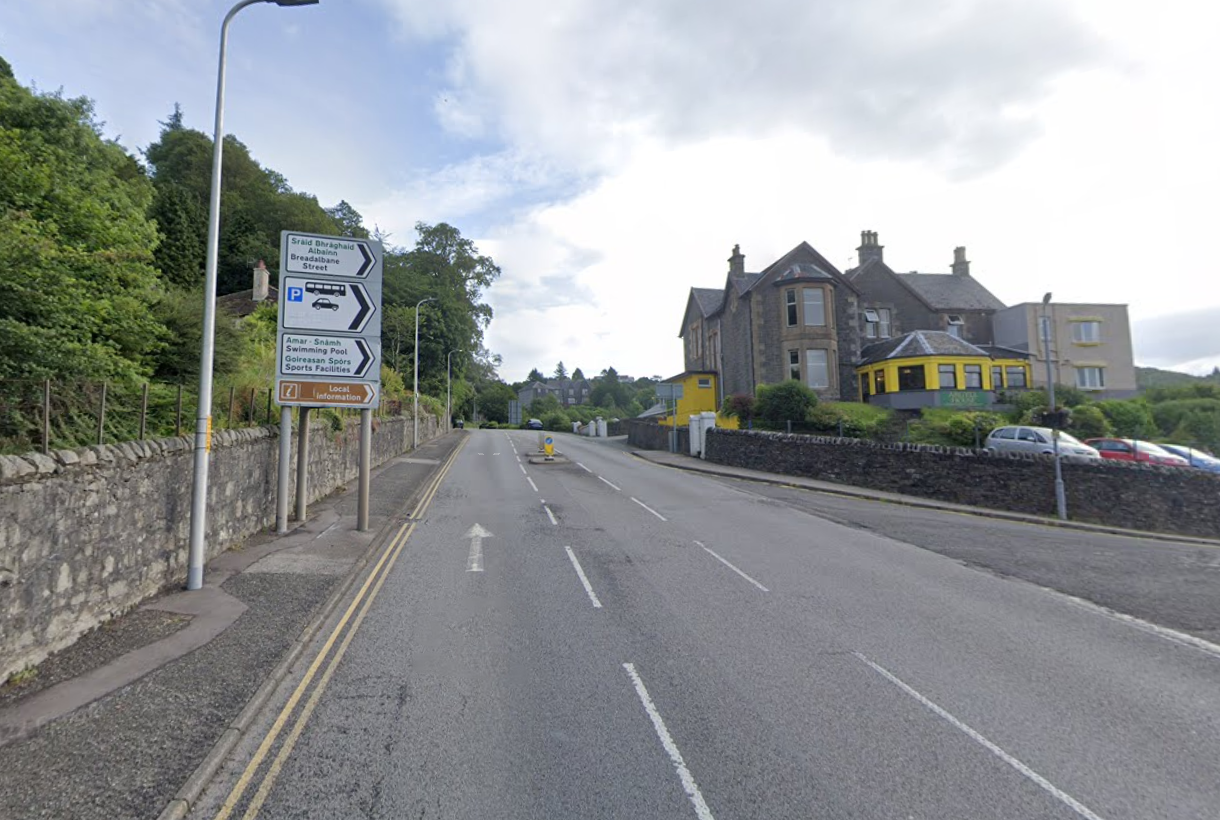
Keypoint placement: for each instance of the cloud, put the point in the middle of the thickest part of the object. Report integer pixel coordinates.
(878, 78)
(1182, 341)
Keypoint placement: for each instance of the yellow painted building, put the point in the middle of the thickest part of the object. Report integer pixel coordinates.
(934, 369)
(699, 392)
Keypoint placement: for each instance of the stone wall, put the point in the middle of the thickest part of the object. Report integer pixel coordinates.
(87, 534)
(648, 435)
(1135, 496)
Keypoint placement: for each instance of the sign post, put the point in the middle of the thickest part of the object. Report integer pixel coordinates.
(329, 346)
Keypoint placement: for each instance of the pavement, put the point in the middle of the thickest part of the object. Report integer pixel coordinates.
(132, 720)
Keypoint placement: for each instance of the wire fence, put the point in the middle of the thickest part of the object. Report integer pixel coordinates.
(47, 415)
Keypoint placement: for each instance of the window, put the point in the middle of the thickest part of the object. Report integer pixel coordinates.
(815, 307)
(955, 324)
(948, 376)
(705, 383)
(794, 364)
(911, 378)
(1091, 378)
(871, 320)
(864, 387)
(883, 327)
(974, 376)
(1027, 435)
(997, 377)
(817, 368)
(879, 381)
(1005, 433)
(1088, 333)
(1015, 375)
(790, 301)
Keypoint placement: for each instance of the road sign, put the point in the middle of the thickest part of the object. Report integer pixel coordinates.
(548, 444)
(328, 393)
(340, 256)
(669, 391)
(328, 306)
(308, 354)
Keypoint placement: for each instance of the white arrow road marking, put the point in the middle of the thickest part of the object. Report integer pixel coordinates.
(688, 781)
(476, 534)
(583, 578)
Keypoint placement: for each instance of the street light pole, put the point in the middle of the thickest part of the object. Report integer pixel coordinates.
(1060, 494)
(415, 388)
(203, 413)
(449, 388)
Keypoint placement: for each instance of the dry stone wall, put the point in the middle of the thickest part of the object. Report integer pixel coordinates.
(87, 534)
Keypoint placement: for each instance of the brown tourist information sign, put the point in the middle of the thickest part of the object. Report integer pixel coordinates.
(327, 393)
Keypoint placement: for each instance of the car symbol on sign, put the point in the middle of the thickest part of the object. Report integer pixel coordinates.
(324, 304)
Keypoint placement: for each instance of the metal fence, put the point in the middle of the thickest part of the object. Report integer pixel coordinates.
(49, 415)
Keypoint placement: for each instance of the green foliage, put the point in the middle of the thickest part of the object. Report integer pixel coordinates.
(789, 400)
(535, 376)
(608, 391)
(1129, 418)
(182, 222)
(181, 312)
(75, 245)
(493, 401)
(1089, 422)
(577, 374)
(958, 428)
(556, 420)
(739, 406)
(542, 405)
(1152, 377)
(561, 372)
(856, 420)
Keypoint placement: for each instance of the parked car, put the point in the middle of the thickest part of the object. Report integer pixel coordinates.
(1145, 452)
(533, 424)
(1196, 458)
(1022, 439)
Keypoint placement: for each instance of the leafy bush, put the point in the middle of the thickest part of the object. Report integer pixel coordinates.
(959, 428)
(1089, 422)
(1129, 418)
(786, 401)
(739, 406)
(557, 420)
(856, 420)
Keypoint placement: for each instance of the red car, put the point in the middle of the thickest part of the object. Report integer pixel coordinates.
(1126, 449)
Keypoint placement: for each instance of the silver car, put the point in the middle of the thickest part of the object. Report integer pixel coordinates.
(1022, 439)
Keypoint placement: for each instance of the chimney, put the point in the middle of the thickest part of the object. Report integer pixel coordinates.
(737, 262)
(869, 249)
(262, 282)
(960, 266)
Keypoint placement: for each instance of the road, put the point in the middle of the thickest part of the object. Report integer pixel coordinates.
(605, 638)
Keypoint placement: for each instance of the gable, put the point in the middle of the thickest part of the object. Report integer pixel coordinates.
(803, 264)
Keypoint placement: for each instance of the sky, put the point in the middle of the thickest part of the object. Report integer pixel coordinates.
(609, 156)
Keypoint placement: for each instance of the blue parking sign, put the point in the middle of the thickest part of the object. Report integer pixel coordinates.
(296, 294)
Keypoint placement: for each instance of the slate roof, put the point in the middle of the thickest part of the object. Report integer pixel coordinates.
(242, 302)
(744, 282)
(944, 291)
(919, 343)
(709, 300)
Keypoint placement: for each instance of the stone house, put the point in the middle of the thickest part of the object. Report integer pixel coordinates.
(896, 303)
(796, 318)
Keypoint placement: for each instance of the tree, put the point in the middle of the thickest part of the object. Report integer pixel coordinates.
(789, 400)
(577, 374)
(535, 376)
(739, 406)
(609, 392)
(182, 223)
(561, 372)
(75, 245)
(349, 220)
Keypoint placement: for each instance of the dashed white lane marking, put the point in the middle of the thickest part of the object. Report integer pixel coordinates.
(671, 748)
(1172, 635)
(522, 466)
(584, 580)
(612, 486)
(583, 467)
(532, 484)
(1050, 788)
(550, 514)
(730, 566)
(650, 509)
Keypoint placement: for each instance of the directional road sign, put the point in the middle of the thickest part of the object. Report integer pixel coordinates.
(340, 256)
(328, 306)
(309, 354)
(310, 393)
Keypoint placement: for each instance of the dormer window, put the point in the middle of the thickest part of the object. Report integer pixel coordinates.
(956, 322)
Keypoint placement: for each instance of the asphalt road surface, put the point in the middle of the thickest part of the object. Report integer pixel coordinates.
(606, 638)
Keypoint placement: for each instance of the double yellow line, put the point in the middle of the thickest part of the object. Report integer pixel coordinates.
(367, 594)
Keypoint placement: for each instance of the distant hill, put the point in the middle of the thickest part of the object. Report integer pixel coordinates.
(1146, 377)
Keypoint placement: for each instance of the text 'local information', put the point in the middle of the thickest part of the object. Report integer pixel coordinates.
(329, 321)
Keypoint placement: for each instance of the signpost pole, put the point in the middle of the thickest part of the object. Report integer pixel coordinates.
(302, 463)
(366, 459)
(281, 493)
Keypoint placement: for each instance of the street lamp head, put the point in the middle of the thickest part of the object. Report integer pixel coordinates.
(1046, 300)
(293, 2)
